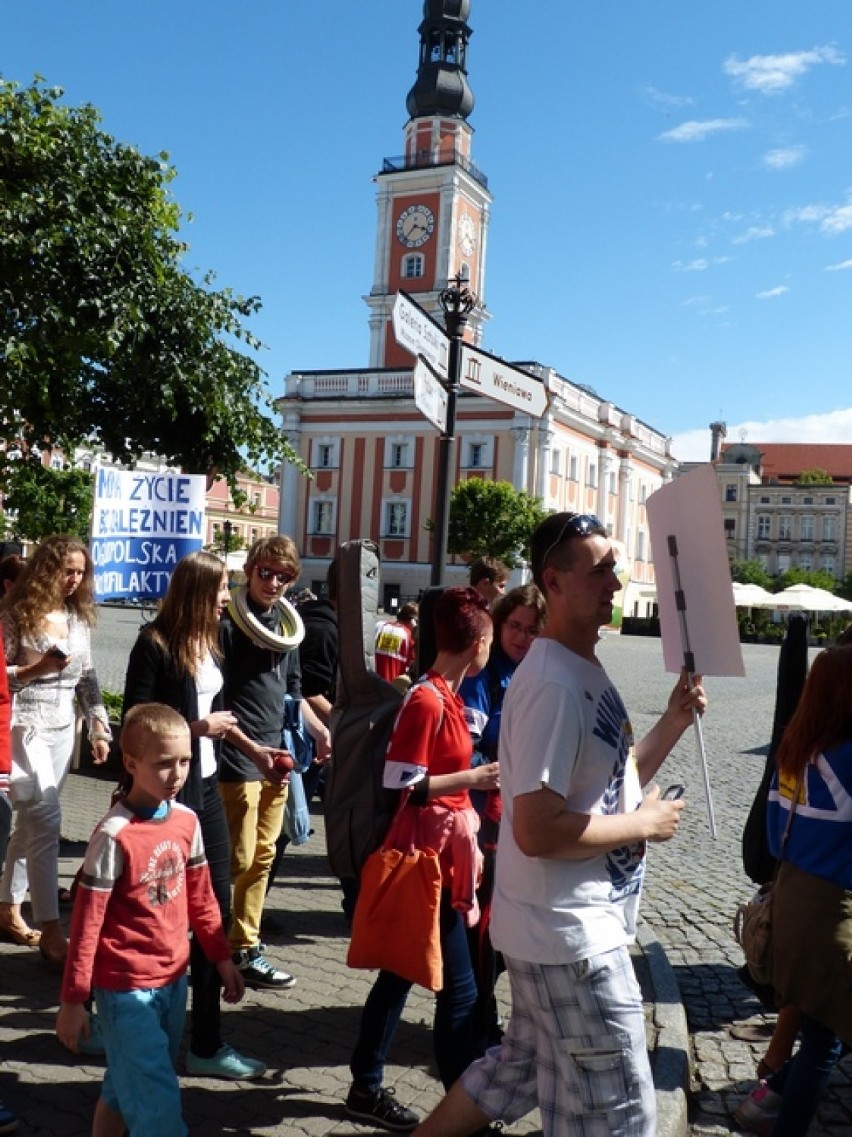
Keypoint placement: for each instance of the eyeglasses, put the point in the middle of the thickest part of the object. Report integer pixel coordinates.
(523, 629)
(265, 573)
(576, 525)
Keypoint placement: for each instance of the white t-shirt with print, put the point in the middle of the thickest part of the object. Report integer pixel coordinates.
(565, 728)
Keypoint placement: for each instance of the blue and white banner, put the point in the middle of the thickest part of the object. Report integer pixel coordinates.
(142, 524)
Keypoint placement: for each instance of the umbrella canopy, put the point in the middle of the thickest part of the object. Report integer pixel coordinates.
(752, 596)
(809, 599)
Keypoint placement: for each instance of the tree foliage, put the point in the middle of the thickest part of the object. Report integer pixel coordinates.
(41, 501)
(816, 578)
(492, 519)
(104, 338)
(815, 477)
(751, 572)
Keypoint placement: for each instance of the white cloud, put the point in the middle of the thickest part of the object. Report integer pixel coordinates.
(698, 131)
(832, 426)
(784, 158)
(771, 293)
(831, 219)
(838, 267)
(772, 74)
(700, 264)
(753, 233)
(663, 99)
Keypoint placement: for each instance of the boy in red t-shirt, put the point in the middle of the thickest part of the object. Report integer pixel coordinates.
(144, 884)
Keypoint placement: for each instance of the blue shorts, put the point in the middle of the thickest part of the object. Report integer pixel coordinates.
(142, 1030)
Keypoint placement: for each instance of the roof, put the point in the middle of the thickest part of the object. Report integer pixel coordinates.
(785, 461)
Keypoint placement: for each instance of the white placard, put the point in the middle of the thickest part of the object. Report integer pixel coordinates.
(498, 380)
(416, 331)
(430, 396)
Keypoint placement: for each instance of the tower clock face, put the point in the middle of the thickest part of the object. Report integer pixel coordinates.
(414, 226)
(467, 234)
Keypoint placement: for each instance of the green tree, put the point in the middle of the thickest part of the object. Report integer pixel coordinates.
(234, 542)
(816, 578)
(492, 519)
(42, 501)
(815, 477)
(751, 572)
(104, 338)
(844, 589)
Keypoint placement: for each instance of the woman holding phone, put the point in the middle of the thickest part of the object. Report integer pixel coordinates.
(47, 616)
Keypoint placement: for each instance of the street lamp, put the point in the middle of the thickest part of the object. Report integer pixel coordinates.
(227, 527)
(458, 302)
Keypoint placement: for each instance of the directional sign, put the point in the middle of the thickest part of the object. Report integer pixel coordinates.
(416, 331)
(429, 394)
(498, 380)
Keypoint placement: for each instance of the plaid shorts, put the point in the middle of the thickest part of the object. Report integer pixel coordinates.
(575, 1048)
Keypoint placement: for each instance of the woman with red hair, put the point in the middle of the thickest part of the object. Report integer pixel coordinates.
(430, 753)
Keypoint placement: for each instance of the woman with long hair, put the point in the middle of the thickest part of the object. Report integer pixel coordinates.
(811, 792)
(47, 614)
(430, 749)
(176, 661)
(518, 619)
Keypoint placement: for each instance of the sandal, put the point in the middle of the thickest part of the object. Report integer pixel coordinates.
(13, 927)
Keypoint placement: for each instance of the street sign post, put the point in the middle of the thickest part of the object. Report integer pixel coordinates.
(417, 331)
(498, 380)
(430, 396)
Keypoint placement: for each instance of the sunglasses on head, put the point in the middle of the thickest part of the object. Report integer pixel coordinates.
(576, 525)
(277, 577)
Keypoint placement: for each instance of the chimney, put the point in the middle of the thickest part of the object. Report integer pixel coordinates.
(718, 431)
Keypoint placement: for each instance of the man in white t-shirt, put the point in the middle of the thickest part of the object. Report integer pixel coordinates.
(570, 862)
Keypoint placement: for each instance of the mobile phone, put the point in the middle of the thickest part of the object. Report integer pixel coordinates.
(56, 652)
(675, 792)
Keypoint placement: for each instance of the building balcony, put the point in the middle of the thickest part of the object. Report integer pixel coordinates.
(378, 384)
(427, 160)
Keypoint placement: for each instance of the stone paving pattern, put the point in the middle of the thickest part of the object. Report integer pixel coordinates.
(305, 1035)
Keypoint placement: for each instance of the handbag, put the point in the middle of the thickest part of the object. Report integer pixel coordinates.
(395, 926)
(753, 920)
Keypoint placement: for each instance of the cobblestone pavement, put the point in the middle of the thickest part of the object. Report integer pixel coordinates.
(305, 1035)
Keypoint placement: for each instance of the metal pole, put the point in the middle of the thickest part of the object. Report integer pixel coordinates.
(457, 302)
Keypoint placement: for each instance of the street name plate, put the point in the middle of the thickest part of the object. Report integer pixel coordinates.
(416, 331)
(500, 381)
(429, 394)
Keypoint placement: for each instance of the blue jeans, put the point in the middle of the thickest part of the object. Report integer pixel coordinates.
(454, 1028)
(802, 1079)
(142, 1031)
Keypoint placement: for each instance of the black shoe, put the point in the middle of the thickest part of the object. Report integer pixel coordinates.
(380, 1108)
(258, 972)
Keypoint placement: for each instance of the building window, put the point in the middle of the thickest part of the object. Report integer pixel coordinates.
(831, 501)
(730, 492)
(764, 501)
(786, 501)
(783, 562)
(828, 564)
(476, 455)
(763, 526)
(573, 468)
(325, 455)
(398, 455)
(56, 463)
(806, 528)
(592, 479)
(412, 266)
(640, 545)
(829, 528)
(555, 461)
(807, 501)
(612, 484)
(323, 518)
(730, 527)
(785, 528)
(396, 519)
(805, 561)
(643, 493)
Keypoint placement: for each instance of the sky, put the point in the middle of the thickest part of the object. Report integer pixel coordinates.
(672, 217)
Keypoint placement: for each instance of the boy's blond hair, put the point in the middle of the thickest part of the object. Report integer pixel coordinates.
(146, 723)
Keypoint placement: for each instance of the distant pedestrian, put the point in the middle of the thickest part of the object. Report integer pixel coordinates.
(489, 577)
(144, 885)
(396, 644)
(570, 863)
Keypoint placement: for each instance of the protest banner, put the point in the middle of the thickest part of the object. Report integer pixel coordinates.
(142, 524)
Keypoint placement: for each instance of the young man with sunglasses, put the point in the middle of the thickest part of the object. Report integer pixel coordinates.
(256, 680)
(570, 861)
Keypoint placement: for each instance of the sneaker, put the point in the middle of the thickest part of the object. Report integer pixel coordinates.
(759, 1112)
(259, 973)
(94, 1044)
(8, 1121)
(379, 1107)
(226, 1063)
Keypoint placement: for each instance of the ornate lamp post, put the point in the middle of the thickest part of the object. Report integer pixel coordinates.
(226, 538)
(458, 302)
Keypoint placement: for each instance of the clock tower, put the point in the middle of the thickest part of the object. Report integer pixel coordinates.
(433, 202)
